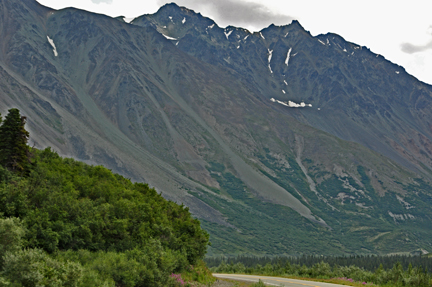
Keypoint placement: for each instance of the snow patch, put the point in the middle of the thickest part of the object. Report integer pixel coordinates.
(51, 41)
(246, 37)
(321, 42)
(286, 34)
(283, 92)
(397, 72)
(270, 55)
(345, 50)
(285, 82)
(291, 104)
(238, 47)
(228, 34)
(271, 71)
(211, 26)
(262, 36)
(169, 38)
(184, 20)
(269, 60)
(170, 17)
(288, 57)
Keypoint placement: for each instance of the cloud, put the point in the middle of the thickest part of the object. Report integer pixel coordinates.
(411, 48)
(236, 12)
(102, 1)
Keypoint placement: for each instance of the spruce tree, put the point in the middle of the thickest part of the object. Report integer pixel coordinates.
(14, 152)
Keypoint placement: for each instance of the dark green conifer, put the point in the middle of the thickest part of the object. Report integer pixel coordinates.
(14, 152)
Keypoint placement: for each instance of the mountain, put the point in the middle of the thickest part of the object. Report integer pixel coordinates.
(277, 141)
(361, 96)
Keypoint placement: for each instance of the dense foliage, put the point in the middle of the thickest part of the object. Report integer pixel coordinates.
(318, 267)
(92, 225)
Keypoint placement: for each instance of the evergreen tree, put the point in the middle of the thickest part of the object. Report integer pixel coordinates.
(14, 152)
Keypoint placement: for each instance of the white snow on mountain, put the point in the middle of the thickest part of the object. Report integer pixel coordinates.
(270, 55)
(291, 104)
(228, 34)
(51, 41)
(288, 57)
(169, 38)
(269, 60)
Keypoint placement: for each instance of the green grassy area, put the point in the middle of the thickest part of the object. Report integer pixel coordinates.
(261, 228)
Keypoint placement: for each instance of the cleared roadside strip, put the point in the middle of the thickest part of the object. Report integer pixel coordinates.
(274, 281)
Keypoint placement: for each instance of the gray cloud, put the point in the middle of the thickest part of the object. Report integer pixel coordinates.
(102, 1)
(411, 48)
(236, 12)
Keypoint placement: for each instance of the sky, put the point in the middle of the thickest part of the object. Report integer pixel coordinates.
(401, 31)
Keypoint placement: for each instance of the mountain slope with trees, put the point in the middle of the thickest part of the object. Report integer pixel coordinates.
(223, 131)
(64, 211)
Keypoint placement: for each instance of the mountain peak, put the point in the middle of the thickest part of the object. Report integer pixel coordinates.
(296, 24)
(171, 5)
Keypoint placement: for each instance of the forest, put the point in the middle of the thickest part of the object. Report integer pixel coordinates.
(66, 223)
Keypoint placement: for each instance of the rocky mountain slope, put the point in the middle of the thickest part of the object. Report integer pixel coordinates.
(214, 118)
(361, 96)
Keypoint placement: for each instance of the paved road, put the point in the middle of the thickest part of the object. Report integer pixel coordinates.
(275, 281)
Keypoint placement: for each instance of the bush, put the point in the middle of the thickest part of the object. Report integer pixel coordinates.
(33, 267)
(11, 237)
(258, 284)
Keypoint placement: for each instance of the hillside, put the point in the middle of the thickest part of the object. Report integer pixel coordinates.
(116, 233)
(194, 117)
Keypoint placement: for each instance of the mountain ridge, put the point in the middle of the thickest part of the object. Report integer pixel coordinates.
(386, 143)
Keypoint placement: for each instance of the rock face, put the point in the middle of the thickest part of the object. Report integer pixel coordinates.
(278, 141)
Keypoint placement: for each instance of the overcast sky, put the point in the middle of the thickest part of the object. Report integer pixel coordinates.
(401, 31)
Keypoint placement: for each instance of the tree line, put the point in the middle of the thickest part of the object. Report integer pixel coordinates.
(377, 270)
(367, 262)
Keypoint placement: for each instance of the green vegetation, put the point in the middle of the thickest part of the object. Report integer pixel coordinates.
(321, 269)
(14, 153)
(254, 219)
(65, 223)
(360, 220)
